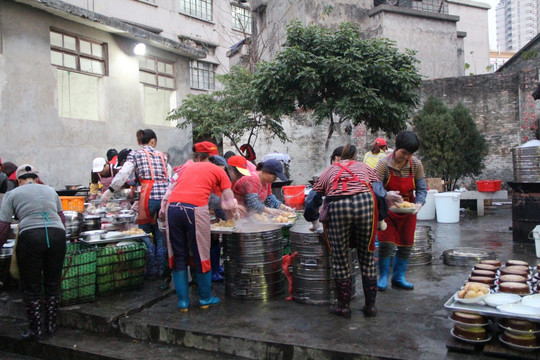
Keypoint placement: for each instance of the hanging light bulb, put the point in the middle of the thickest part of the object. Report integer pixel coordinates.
(139, 49)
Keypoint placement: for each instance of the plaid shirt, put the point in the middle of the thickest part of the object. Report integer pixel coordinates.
(142, 169)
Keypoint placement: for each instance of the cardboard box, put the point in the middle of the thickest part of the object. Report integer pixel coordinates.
(435, 184)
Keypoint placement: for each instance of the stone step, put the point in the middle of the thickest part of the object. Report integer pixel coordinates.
(71, 344)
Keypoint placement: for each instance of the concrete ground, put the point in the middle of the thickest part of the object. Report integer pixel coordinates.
(409, 325)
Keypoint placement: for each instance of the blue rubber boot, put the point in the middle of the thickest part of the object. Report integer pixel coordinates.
(180, 279)
(205, 291)
(215, 251)
(398, 275)
(384, 272)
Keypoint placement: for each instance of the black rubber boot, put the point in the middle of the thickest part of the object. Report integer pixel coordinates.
(51, 313)
(344, 295)
(370, 293)
(35, 320)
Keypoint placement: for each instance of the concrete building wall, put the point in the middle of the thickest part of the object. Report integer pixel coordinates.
(433, 36)
(63, 148)
(473, 20)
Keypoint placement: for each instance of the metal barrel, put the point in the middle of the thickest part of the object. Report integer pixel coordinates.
(252, 258)
(525, 161)
(313, 282)
(421, 250)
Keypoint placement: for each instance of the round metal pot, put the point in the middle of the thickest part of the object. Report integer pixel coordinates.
(92, 222)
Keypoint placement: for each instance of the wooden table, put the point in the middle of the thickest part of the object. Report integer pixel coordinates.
(480, 196)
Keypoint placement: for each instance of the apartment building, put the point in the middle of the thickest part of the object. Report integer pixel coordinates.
(517, 23)
(79, 77)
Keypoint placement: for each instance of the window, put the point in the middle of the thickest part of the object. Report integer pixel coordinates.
(201, 9)
(202, 75)
(75, 53)
(241, 19)
(156, 73)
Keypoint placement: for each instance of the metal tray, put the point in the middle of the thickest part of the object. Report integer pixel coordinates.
(114, 240)
(453, 305)
(222, 229)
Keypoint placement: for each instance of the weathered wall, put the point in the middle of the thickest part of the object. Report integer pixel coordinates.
(433, 37)
(473, 19)
(63, 148)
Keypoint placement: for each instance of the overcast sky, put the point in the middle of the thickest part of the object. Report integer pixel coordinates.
(492, 25)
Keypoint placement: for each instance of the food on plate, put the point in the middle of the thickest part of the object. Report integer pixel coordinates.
(482, 279)
(134, 231)
(405, 205)
(515, 270)
(517, 262)
(518, 324)
(281, 219)
(261, 217)
(485, 273)
(468, 318)
(472, 290)
(496, 263)
(512, 278)
(514, 288)
(288, 214)
(519, 339)
(485, 267)
(224, 223)
(470, 332)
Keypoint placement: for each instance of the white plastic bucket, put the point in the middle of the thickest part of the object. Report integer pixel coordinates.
(427, 212)
(447, 207)
(536, 235)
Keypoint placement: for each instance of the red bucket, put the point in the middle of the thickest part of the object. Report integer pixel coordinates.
(294, 196)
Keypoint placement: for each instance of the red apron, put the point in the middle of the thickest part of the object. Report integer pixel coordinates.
(401, 227)
(144, 216)
(338, 179)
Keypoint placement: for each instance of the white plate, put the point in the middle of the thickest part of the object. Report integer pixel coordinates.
(469, 301)
(519, 309)
(501, 299)
(531, 300)
(469, 340)
(114, 235)
(518, 331)
(402, 210)
(468, 324)
(518, 347)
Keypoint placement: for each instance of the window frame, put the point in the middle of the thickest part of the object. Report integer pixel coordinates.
(104, 59)
(158, 73)
(212, 71)
(246, 14)
(184, 4)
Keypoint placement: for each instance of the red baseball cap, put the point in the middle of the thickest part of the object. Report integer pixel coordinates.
(206, 147)
(380, 141)
(239, 162)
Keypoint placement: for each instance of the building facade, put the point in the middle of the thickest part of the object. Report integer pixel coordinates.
(71, 86)
(517, 23)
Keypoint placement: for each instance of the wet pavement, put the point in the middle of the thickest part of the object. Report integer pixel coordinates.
(145, 324)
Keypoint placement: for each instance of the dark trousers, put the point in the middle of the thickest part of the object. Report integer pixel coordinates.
(181, 218)
(41, 265)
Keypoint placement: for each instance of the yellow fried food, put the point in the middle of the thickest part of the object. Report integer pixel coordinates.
(225, 223)
(472, 290)
(405, 204)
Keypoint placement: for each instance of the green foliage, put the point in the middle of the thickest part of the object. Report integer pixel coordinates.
(529, 54)
(339, 76)
(229, 112)
(452, 146)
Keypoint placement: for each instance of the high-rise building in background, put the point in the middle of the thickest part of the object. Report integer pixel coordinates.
(517, 23)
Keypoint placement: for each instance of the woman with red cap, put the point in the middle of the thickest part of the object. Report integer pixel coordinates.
(188, 224)
(377, 152)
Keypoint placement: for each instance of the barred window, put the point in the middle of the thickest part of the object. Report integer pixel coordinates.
(202, 75)
(76, 53)
(201, 9)
(156, 73)
(241, 19)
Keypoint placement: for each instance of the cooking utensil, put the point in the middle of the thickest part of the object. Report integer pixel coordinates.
(92, 235)
(92, 222)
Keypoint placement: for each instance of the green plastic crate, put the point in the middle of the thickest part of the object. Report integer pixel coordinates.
(120, 268)
(78, 282)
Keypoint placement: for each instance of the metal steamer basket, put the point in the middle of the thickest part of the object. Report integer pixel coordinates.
(467, 256)
(421, 250)
(252, 262)
(312, 267)
(74, 224)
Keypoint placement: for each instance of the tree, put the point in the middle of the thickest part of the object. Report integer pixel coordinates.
(340, 77)
(227, 113)
(452, 146)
